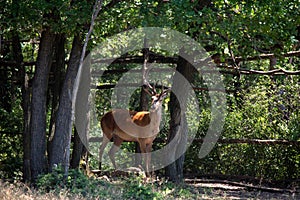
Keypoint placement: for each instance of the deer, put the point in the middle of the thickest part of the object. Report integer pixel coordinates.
(119, 125)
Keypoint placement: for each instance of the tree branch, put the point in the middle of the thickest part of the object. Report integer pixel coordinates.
(96, 9)
(111, 4)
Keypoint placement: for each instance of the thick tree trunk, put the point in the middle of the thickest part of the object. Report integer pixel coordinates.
(60, 151)
(60, 148)
(178, 124)
(38, 104)
(58, 70)
(77, 151)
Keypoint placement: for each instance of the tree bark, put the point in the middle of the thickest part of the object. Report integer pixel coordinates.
(64, 122)
(18, 57)
(178, 124)
(143, 107)
(38, 104)
(77, 151)
(143, 100)
(58, 70)
(26, 126)
(82, 116)
(60, 148)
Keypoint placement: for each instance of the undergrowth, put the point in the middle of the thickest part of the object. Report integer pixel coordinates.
(132, 187)
(80, 187)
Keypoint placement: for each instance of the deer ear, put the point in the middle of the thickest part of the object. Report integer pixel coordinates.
(164, 94)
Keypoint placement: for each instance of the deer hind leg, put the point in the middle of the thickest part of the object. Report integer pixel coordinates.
(105, 141)
(115, 147)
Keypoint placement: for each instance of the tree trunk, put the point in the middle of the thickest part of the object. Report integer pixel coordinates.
(26, 129)
(77, 151)
(38, 104)
(143, 100)
(60, 151)
(143, 107)
(18, 57)
(60, 148)
(178, 124)
(58, 70)
(82, 115)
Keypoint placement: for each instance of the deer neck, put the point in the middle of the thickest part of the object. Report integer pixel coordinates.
(155, 116)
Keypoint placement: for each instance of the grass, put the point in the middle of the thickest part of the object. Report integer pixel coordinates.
(128, 188)
(78, 186)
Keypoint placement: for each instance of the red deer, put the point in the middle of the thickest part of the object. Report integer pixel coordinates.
(121, 125)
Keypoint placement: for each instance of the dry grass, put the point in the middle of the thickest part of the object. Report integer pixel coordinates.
(9, 191)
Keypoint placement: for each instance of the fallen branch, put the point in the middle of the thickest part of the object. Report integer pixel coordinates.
(243, 185)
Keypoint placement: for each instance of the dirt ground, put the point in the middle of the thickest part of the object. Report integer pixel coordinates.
(234, 191)
(209, 188)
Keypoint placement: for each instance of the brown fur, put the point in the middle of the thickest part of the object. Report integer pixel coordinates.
(141, 127)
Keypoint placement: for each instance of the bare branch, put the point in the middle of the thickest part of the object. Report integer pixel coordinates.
(96, 9)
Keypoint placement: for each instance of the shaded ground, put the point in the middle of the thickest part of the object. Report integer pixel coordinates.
(226, 190)
(114, 186)
(209, 188)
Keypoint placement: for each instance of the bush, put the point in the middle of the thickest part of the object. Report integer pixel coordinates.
(75, 183)
(133, 187)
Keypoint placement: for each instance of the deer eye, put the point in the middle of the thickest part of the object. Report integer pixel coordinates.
(154, 98)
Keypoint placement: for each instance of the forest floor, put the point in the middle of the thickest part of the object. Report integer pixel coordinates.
(214, 189)
(128, 188)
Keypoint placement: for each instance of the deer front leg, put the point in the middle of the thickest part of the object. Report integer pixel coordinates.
(143, 150)
(148, 157)
(146, 150)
